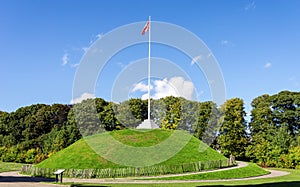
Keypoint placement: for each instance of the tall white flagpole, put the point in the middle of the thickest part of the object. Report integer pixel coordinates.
(149, 49)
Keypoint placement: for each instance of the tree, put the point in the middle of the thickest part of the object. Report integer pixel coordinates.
(158, 111)
(188, 115)
(138, 108)
(86, 116)
(108, 118)
(172, 119)
(127, 114)
(173, 112)
(233, 137)
(285, 107)
(207, 124)
(3, 130)
(262, 129)
(261, 115)
(274, 121)
(282, 139)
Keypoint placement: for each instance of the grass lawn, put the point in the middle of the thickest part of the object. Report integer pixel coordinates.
(81, 156)
(291, 180)
(249, 171)
(9, 166)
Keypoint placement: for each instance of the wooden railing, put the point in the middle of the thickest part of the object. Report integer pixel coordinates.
(130, 171)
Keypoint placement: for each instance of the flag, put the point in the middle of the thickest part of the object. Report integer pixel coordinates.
(146, 27)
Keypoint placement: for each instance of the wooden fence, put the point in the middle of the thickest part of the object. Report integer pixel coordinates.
(130, 171)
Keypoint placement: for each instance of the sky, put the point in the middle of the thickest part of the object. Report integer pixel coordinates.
(256, 44)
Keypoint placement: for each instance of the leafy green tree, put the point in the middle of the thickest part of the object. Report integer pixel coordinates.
(86, 117)
(108, 118)
(3, 126)
(274, 119)
(188, 115)
(285, 107)
(125, 114)
(282, 139)
(233, 136)
(207, 124)
(259, 152)
(158, 111)
(262, 129)
(291, 159)
(138, 108)
(261, 115)
(30, 155)
(173, 115)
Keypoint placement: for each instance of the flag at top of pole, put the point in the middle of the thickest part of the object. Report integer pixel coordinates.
(146, 27)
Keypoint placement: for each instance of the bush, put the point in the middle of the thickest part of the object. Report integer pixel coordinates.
(30, 155)
(40, 157)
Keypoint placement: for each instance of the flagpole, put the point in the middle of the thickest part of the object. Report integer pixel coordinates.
(149, 50)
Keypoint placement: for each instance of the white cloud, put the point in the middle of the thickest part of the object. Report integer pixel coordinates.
(292, 78)
(209, 55)
(121, 65)
(196, 59)
(175, 86)
(224, 42)
(75, 65)
(85, 49)
(250, 6)
(141, 87)
(267, 65)
(227, 43)
(145, 96)
(94, 38)
(163, 88)
(210, 82)
(65, 59)
(84, 96)
(99, 36)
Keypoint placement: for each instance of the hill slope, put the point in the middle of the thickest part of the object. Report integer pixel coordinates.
(81, 156)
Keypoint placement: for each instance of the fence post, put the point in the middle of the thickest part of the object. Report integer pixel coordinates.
(200, 167)
(136, 171)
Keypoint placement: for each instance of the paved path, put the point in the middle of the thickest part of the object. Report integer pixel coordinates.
(13, 179)
(274, 173)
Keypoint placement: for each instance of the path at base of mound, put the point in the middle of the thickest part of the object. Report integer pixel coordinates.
(14, 179)
(273, 173)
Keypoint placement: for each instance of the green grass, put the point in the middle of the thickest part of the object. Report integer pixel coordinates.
(249, 171)
(80, 156)
(10, 166)
(291, 180)
(77, 156)
(140, 138)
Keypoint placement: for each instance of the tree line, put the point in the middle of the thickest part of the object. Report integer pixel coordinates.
(271, 137)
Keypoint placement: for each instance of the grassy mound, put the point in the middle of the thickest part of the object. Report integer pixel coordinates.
(81, 156)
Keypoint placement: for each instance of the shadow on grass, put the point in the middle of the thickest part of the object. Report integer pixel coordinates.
(276, 184)
(24, 179)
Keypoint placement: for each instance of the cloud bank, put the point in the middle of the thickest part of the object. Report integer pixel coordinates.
(175, 86)
(83, 96)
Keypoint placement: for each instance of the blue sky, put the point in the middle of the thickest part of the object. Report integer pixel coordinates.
(256, 44)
